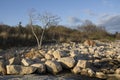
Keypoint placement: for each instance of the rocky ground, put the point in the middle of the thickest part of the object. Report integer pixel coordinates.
(83, 61)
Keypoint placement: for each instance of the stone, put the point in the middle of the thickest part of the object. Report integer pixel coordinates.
(15, 61)
(43, 60)
(91, 73)
(76, 70)
(73, 53)
(59, 54)
(67, 62)
(26, 62)
(40, 67)
(20, 70)
(84, 72)
(89, 43)
(36, 60)
(2, 68)
(53, 67)
(101, 75)
(117, 71)
(48, 56)
(83, 64)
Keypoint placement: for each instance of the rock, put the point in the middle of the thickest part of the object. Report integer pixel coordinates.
(53, 66)
(43, 60)
(18, 69)
(59, 54)
(36, 60)
(76, 70)
(73, 53)
(84, 72)
(117, 71)
(2, 68)
(15, 61)
(48, 56)
(40, 68)
(67, 62)
(83, 64)
(26, 62)
(89, 43)
(91, 73)
(31, 54)
(101, 75)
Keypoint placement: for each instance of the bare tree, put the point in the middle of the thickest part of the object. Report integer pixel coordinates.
(46, 20)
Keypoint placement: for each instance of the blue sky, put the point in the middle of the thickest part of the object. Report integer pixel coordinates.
(72, 12)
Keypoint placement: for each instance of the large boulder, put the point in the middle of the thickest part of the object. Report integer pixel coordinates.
(40, 68)
(2, 68)
(27, 62)
(67, 62)
(53, 67)
(83, 64)
(18, 69)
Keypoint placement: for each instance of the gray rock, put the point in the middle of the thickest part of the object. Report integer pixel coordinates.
(27, 62)
(53, 66)
(76, 70)
(18, 69)
(40, 67)
(117, 71)
(83, 64)
(15, 61)
(101, 75)
(67, 62)
(2, 68)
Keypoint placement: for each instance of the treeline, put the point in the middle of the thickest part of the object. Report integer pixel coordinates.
(11, 36)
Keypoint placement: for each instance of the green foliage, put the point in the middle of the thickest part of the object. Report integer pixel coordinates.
(11, 36)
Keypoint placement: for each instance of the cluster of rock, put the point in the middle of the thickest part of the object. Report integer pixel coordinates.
(94, 60)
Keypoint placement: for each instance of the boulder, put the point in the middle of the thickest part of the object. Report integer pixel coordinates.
(53, 67)
(59, 54)
(117, 71)
(18, 69)
(73, 53)
(67, 62)
(26, 62)
(89, 43)
(101, 75)
(83, 64)
(48, 56)
(2, 68)
(84, 72)
(40, 68)
(15, 61)
(91, 73)
(76, 70)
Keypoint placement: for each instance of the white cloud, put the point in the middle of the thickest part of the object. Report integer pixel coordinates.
(90, 12)
(74, 20)
(111, 22)
(107, 3)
